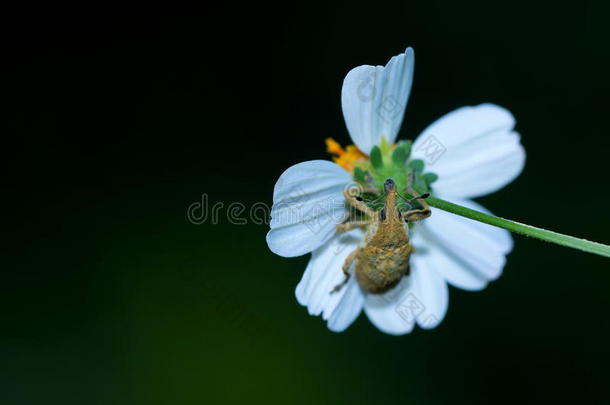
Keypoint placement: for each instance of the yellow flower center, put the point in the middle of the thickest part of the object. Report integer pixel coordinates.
(347, 158)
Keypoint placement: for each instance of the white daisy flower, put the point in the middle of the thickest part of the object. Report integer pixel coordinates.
(472, 151)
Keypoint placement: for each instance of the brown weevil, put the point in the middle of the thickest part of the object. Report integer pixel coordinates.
(382, 258)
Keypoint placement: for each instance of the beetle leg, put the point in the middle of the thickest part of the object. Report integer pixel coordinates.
(346, 266)
(418, 214)
(348, 226)
(371, 190)
(357, 203)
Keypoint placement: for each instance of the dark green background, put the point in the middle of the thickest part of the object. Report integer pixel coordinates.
(119, 117)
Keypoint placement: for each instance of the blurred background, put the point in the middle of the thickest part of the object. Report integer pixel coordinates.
(118, 117)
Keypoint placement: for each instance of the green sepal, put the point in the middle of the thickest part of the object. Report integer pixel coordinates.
(360, 175)
(419, 184)
(376, 159)
(417, 165)
(430, 178)
(401, 153)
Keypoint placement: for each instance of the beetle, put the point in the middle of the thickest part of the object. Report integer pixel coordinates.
(382, 258)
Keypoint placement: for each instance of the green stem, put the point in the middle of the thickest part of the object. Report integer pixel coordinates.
(527, 230)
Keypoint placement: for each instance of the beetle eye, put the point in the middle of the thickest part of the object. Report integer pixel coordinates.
(399, 215)
(382, 214)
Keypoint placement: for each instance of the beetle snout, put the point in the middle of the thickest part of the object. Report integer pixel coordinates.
(389, 185)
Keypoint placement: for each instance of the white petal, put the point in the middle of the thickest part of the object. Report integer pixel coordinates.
(393, 312)
(466, 253)
(474, 151)
(307, 204)
(421, 297)
(455, 272)
(431, 290)
(324, 272)
(374, 99)
(348, 308)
